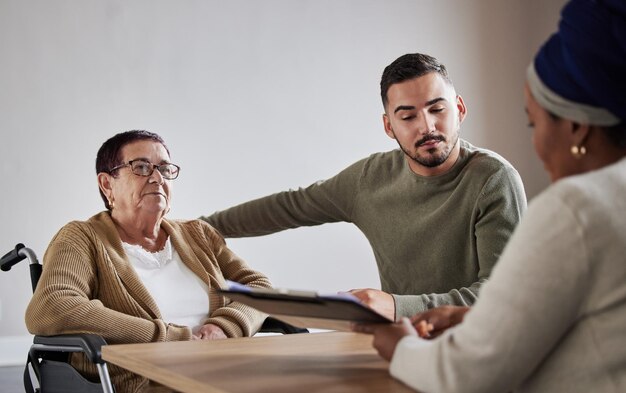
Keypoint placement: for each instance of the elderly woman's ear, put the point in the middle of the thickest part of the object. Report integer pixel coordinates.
(104, 182)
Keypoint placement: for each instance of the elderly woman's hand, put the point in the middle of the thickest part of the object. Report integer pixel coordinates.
(209, 332)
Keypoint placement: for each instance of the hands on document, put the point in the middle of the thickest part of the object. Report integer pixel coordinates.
(386, 336)
(428, 324)
(377, 300)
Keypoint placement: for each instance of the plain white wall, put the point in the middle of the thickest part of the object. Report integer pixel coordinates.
(252, 97)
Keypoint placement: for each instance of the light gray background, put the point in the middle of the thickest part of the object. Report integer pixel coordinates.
(252, 97)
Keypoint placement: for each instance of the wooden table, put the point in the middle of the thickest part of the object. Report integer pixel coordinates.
(315, 362)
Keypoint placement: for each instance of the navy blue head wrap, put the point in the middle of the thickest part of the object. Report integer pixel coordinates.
(580, 72)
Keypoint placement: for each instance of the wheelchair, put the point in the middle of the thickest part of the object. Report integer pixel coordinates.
(49, 355)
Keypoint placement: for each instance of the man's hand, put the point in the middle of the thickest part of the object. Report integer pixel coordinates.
(209, 332)
(386, 337)
(431, 323)
(379, 301)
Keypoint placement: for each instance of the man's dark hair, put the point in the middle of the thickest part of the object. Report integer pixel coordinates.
(410, 66)
(108, 156)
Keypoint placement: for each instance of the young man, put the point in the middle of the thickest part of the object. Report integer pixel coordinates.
(437, 212)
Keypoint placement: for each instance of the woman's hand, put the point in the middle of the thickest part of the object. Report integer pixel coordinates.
(386, 337)
(431, 323)
(209, 332)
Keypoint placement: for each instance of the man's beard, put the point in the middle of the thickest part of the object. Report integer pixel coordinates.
(433, 158)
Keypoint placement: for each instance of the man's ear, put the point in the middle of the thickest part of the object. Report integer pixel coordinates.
(460, 106)
(104, 182)
(388, 128)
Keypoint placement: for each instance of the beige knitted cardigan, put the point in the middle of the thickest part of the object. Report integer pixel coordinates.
(89, 286)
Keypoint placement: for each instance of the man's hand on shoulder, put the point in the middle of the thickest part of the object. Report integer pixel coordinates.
(379, 301)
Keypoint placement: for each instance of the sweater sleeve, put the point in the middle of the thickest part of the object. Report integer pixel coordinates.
(65, 301)
(322, 202)
(497, 212)
(236, 319)
(522, 314)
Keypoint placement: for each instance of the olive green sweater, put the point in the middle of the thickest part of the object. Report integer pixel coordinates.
(89, 286)
(435, 239)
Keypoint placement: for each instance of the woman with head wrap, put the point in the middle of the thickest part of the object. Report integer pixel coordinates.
(553, 316)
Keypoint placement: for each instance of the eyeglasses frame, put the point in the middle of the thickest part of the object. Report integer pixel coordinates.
(154, 166)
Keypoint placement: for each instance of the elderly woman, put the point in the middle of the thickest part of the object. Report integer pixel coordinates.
(553, 316)
(133, 276)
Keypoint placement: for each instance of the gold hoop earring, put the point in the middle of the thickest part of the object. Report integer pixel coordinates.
(111, 205)
(578, 151)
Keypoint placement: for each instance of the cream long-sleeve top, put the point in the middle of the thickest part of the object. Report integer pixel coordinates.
(553, 316)
(89, 286)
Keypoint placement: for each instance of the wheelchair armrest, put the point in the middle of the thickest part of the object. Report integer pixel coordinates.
(89, 344)
(273, 325)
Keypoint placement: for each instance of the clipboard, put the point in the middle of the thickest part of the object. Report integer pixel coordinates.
(305, 308)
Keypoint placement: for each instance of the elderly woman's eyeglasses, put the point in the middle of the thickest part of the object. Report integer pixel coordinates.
(144, 168)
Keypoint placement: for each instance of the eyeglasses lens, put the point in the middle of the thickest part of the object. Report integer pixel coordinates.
(169, 171)
(143, 168)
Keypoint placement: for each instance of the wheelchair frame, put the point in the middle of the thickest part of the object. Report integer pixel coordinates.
(48, 348)
(43, 346)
